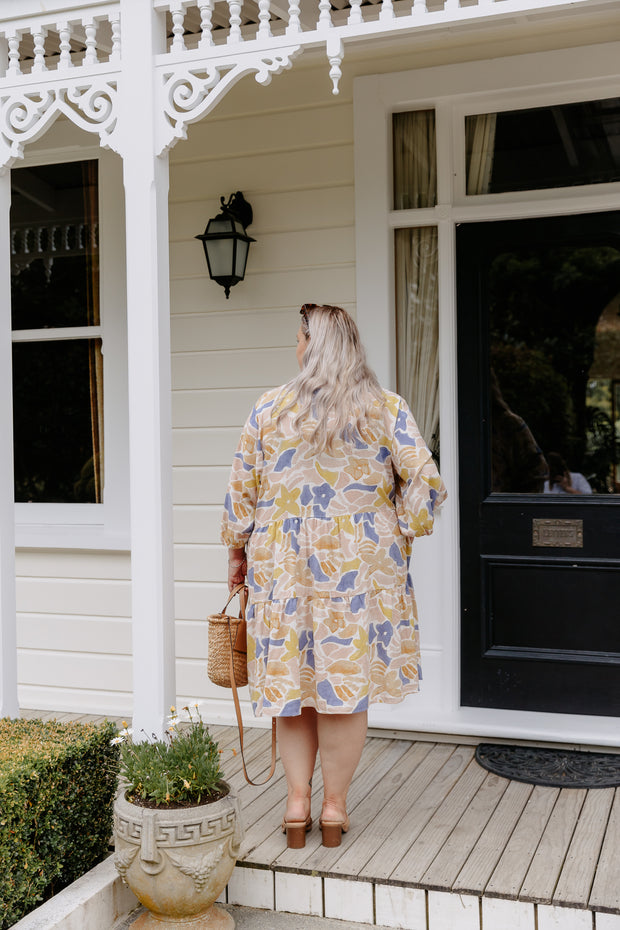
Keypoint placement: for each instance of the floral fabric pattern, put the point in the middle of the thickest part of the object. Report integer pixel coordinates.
(332, 619)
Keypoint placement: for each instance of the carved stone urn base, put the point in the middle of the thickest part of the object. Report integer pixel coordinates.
(216, 918)
(177, 862)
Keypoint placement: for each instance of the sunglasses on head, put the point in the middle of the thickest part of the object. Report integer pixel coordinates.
(305, 310)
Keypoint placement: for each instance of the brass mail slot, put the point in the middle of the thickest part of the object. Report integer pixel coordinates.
(559, 534)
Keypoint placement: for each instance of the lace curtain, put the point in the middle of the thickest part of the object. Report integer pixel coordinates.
(95, 357)
(480, 148)
(417, 305)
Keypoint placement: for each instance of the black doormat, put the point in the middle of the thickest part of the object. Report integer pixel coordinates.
(554, 768)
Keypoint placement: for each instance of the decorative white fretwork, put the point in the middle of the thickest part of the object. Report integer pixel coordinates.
(188, 94)
(26, 114)
(67, 59)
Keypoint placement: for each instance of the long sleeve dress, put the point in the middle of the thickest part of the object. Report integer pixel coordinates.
(332, 619)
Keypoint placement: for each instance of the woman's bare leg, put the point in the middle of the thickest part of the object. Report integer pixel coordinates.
(298, 744)
(341, 740)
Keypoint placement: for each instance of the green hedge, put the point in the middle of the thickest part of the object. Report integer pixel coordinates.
(57, 786)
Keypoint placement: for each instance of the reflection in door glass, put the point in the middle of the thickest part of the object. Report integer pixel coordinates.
(554, 353)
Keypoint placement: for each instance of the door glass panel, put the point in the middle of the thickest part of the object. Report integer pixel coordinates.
(554, 370)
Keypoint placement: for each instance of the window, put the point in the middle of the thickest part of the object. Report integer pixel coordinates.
(57, 357)
(543, 147)
(416, 270)
(69, 397)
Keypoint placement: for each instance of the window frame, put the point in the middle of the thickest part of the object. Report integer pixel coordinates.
(84, 525)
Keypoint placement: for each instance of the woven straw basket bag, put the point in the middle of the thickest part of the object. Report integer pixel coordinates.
(228, 634)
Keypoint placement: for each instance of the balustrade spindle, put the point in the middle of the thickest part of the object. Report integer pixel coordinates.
(38, 37)
(206, 14)
(64, 31)
(452, 5)
(355, 16)
(294, 23)
(115, 23)
(13, 68)
(234, 35)
(264, 28)
(178, 27)
(419, 7)
(325, 18)
(387, 11)
(90, 28)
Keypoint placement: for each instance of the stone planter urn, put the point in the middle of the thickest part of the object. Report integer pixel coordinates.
(178, 861)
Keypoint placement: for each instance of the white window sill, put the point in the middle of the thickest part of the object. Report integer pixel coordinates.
(69, 536)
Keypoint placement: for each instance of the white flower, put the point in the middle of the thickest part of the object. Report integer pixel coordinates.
(117, 740)
(174, 721)
(126, 732)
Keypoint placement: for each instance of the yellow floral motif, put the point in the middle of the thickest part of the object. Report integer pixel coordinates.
(286, 503)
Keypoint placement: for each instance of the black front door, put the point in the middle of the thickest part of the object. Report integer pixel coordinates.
(539, 441)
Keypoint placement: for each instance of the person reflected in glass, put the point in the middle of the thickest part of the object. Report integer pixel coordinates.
(518, 463)
(563, 481)
(330, 483)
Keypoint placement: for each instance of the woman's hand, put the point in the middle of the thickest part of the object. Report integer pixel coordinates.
(237, 567)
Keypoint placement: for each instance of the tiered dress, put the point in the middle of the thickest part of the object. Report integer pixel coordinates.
(332, 620)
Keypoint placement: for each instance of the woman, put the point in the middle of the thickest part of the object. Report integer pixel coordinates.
(330, 482)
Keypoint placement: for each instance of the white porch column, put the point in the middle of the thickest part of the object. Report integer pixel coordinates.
(150, 422)
(9, 706)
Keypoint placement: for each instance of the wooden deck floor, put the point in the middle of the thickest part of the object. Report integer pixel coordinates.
(425, 816)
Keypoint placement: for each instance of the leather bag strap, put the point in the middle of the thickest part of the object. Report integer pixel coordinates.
(242, 598)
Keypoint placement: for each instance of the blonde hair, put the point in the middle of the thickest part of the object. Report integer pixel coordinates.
(335, 388)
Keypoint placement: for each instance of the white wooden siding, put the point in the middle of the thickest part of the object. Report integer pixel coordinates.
(74, 630)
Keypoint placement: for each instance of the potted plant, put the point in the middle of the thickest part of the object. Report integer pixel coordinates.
(177, 825)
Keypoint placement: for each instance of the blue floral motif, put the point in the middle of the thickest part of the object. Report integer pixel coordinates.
(347, 582)
(396, 555)
(323, 494)
(315, 567)
(325, 691)
(369, 527)
(402, 432)
(291, 709)
(285, 460)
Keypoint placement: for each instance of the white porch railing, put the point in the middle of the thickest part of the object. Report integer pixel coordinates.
(68, 60)
(65, 61)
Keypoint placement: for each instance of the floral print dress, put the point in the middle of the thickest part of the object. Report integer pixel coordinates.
(332, 620)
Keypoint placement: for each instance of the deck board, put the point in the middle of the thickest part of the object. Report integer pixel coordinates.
(606, 887)
(577, 877)
(458, 848)
(546, 865)
(425, 815)
(427, 846)
(515, 861)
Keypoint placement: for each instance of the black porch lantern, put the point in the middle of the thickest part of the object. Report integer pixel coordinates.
(226, 242)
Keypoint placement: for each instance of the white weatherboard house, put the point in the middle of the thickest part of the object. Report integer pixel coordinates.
(460, 195)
